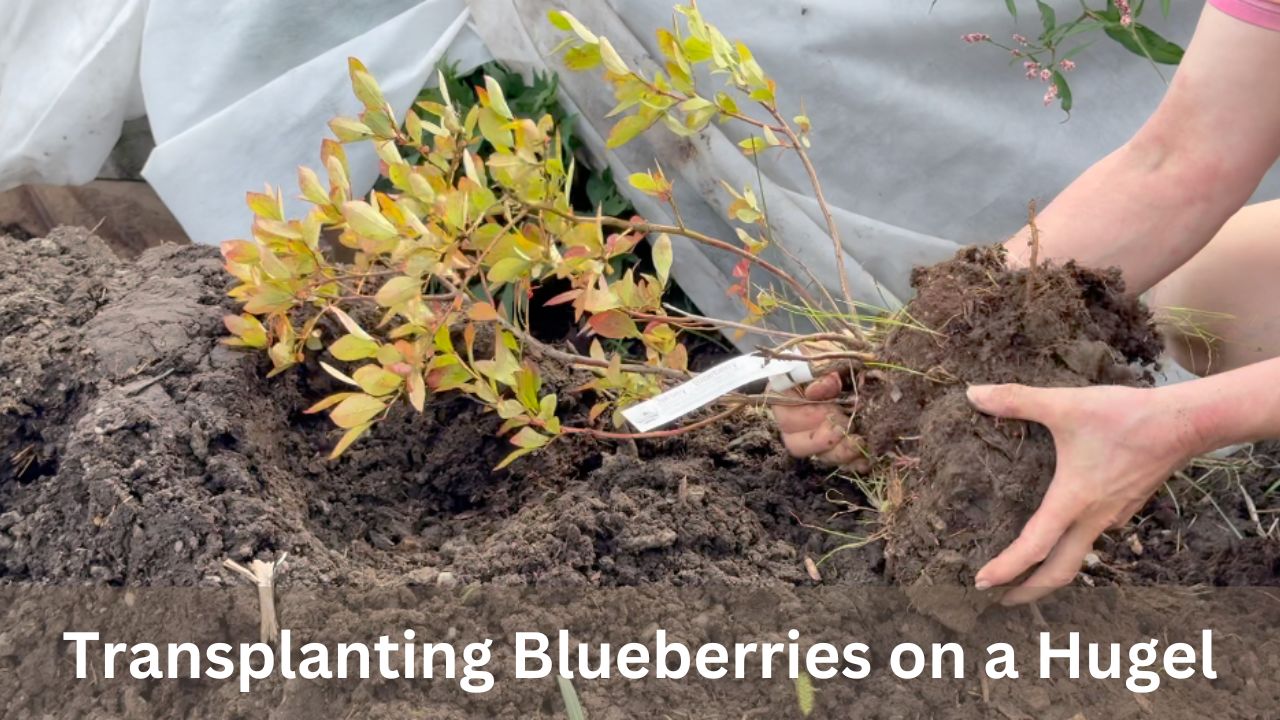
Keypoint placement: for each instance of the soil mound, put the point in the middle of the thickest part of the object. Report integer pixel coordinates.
(137, 449)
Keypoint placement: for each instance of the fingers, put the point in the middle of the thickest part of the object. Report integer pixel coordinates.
(800, 418)
(1057, 512)
(826, 387)
(1013, 401)
(849, 454)
(818, 439)
(1059, 569)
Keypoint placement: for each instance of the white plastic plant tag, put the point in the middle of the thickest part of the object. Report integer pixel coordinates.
(707, 387)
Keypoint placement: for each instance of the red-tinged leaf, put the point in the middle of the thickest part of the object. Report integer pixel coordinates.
(248, 329)
(312, 191)
(482, 312)
(613, 324)
(356, 410)
(240, 251)
(348, 438)
(742, 269)
(677, 359)
(265, 206)
(596, 410)
(448, 378)
(564, 297)
(327, 403)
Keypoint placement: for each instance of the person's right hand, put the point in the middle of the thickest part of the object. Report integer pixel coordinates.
(820, 431)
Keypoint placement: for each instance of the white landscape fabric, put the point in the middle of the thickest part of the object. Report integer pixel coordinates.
(924, 143)
(238, 92)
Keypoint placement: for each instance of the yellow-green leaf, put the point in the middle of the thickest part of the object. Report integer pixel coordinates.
(338, 374)
(613, 62)
(350, 347)
(247, 329)
(515, 455)
(349, 323)
(583, 57)
(417, 390)
(497, 100)
(753, 145)
(364, 86)
(356, 410)
(648, 184)
(347, 439)
(265, 205)
(804, 694)
(508, 269)
(377, 381)
(565, 21)
(327, 403)
(311, 188)
(663, 257)
(367, 221)
(529, 438)
(626, 129)
(349, 129)
(268, 299)
(397, 290)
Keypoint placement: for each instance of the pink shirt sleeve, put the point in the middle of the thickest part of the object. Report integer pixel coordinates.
(1263, 13)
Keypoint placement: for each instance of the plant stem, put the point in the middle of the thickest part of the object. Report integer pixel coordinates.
(648, 227)
(832, 229)
(655, 433)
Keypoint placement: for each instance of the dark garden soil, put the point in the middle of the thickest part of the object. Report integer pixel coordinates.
(137, 451)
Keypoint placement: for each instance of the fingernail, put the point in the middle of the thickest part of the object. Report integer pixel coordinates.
(982, 585)
(975, 392)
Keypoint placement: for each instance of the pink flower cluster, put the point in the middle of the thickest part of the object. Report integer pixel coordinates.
(1036, 71)
(1126, 13)
(973, 38)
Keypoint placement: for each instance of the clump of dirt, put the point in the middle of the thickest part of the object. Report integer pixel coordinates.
(969, 481)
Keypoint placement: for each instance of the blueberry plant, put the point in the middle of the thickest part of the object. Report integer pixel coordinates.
(473, 214)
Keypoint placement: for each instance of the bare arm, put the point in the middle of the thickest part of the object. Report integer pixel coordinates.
(1156, 201)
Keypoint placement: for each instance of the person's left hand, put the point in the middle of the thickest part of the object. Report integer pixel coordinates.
(1115, 447)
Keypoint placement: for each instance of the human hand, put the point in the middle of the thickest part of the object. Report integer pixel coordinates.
(820, 431)
(1115, 447)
